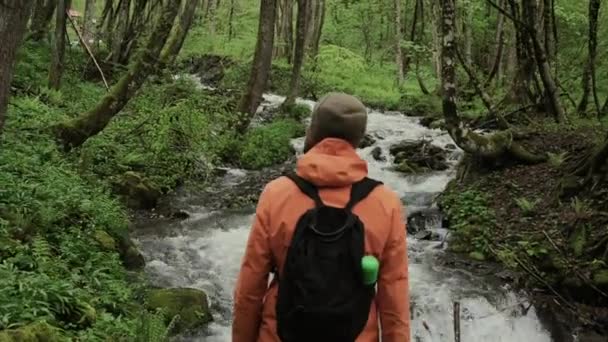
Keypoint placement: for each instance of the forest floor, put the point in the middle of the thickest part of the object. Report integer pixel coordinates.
(555, 244)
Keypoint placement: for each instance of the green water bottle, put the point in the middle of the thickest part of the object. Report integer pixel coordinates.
(370, 267)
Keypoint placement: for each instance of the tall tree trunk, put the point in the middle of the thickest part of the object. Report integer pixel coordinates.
(13, 21)
(41, 17)
(589, 71)
(547, 29)
(262, 61)
(302, 28)
(468, 34)
(120, 34)
(75, 132)
(418, 12)
(178, 36)
(544, 68)
(212, 6)
(287, 30)
(398, 38)
(58, 55)
(89, 16)
(436, 31)
(231, 19)
(500, 44)
(317, 20)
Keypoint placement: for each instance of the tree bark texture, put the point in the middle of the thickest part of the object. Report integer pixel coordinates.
(468, 34)
(398, 38)
(260, 69)
(74, 133)
(178, 36)
(88, 31)
(589, 71)
(13, 21)
(120, 33)
(302, 28)
(58, 54)
(317, 21)
(41, 17)
(500, 44)
(551, 92)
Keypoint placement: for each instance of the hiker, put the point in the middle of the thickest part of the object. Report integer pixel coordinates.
(338, 257)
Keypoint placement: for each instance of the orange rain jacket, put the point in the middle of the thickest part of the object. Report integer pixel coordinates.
(335, 165)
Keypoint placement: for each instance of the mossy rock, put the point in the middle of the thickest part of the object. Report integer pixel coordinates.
(129, 254)
(139, 193)
(477, 256)
(35, 332)
(190, 304)
(600, 278)
(105, 240)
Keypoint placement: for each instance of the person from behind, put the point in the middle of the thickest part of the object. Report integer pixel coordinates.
(334, 240)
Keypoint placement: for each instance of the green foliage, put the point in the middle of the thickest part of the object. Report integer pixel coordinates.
(268, 145)
(471, 219)
(527, 207)
(533, 248)
(557, 159)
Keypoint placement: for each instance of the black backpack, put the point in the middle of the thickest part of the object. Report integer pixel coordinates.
(322, 295)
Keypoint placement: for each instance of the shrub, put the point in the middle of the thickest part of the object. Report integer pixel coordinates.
(268, 145)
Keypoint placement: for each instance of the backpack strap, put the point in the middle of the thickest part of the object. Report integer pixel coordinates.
(306, 187)
(361, 190)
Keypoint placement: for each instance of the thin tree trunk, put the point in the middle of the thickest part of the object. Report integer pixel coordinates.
(589, 72)
(260, 68)
(287, 30)
(13, 21)
(544, 68)
(318, 21)
(178, 36)
(436, 31)
(604, 111)
(74, 133)
(211, 9)
(417, 11)
(547, 28)
(468, 35)
(120, 34)
(500, 44)
(58, 54)
(41, 17)
(398, 38)
(302, 28)
(231, 20)
(89, 16)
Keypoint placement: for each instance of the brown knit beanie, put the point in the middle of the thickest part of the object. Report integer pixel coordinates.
(337, 115)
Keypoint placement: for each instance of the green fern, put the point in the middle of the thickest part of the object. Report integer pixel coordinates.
(41, 249)
(151, 327)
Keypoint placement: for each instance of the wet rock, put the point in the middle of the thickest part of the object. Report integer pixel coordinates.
(138, 192)
(438, 124)
(180, 215)
(367, 141)
(105, 240)
(413, 157)
(450, 146)
(129, 254)
(424, 235)
(377, 154)
(190, 304)
(34, 332)
(416, 223)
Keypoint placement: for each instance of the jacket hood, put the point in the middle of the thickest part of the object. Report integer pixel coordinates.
(332, 163)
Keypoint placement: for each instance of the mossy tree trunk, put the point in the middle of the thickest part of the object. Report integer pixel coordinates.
(260, 68)
(58, 54)
(544, 68)
(41, 17)
(499, 145)
(74, 133)
(589, 71)
(318, 21)
(13, 21)
(302, 27)
(499, 44)
(180, 32)
(89, 17)
(120, 33)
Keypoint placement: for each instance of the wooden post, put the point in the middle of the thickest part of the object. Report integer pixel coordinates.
(457, 321)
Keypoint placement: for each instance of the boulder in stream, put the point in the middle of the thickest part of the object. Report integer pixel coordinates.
(367, 141)
(138, 192)
(377, 154)
(418, 156)
(190, 305)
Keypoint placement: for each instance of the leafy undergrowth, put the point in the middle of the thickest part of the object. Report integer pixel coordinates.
(515, 215)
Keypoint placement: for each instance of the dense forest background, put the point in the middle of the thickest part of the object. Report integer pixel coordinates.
(108, 105)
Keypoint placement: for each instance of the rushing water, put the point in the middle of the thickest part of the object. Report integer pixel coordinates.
(205, 252)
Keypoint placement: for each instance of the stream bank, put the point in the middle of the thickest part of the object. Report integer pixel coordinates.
(202, 248)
